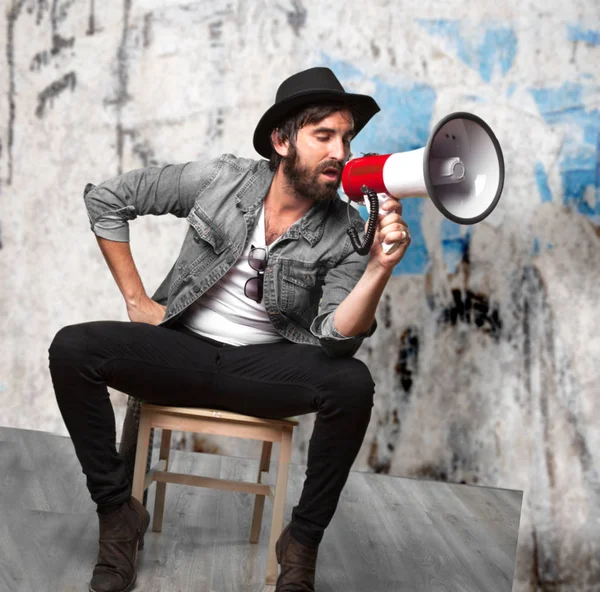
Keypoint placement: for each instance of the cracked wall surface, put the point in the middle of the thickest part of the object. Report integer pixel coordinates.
(486, 356)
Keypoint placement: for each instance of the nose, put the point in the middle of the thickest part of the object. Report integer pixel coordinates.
(337, 150)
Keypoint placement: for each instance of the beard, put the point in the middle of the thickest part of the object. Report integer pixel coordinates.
(306, 183)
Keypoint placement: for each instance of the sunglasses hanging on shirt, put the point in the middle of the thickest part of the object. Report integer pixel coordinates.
(257, 259)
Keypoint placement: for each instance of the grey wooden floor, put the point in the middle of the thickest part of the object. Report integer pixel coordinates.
(388, 534)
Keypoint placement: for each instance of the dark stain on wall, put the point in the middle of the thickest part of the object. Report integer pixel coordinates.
(380, 460)
(472, 309)
(53, 90)
(11, 19)
(91, 20)
(122, 96)
(147, 29)
(141, 148)
(431, 471)
(297, 18)
(42, 58)
(215, 126)
(386, 311)
(373, 461)
(408, 359)
(215, 32)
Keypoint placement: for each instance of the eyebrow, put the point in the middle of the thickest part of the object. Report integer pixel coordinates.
(321, 130)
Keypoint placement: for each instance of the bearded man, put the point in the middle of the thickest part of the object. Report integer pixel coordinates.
(261, 314)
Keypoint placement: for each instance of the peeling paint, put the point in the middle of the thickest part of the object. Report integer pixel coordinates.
(579, 157)
(53, 90)
(578, 33)
(485, 47)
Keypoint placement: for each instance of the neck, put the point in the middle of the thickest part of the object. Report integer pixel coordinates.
(283, 202)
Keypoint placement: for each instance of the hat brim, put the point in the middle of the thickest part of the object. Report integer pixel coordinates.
(363, 107)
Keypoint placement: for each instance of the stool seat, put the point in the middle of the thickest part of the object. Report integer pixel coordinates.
(206, 412)
(219, 422)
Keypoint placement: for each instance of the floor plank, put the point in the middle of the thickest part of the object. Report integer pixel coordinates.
(388, 534)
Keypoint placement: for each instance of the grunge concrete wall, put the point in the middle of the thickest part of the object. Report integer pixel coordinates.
(486, 358)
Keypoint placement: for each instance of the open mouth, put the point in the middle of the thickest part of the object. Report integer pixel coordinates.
(332, 174)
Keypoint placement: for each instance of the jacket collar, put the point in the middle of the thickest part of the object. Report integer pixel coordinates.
(254, 191)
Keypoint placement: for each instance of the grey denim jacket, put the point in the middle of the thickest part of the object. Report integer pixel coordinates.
(310, 270)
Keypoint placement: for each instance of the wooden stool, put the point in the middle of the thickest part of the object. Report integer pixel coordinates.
(211, 421)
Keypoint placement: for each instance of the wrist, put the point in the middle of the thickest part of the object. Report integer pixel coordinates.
(135, 299)
(377, 271)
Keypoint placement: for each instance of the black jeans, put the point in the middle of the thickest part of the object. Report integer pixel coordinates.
(172, 366)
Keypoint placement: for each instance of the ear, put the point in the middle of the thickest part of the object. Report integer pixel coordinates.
(281, 147)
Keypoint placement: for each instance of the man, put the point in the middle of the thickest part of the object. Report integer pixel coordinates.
(261, 313)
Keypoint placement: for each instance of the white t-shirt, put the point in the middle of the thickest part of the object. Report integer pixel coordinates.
(224, 313)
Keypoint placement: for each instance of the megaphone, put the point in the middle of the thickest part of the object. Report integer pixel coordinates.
(461, 169)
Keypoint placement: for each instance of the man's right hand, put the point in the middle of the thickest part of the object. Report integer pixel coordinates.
(146, 310)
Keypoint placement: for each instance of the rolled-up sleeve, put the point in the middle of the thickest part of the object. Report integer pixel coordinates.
(171, 189)
(339, 282)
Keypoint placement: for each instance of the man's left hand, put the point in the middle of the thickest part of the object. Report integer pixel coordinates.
(391, 228)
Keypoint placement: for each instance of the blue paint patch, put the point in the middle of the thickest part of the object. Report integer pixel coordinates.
(473, 98)
(496, 49)
(542, 182)
(403, 124)
(455, 241)
(536, 246)
(416, 258)
(579, 158)
(577, 33)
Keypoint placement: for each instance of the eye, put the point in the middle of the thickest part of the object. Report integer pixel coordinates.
(323, 138)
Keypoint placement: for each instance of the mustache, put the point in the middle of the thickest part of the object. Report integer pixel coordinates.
(331, 165)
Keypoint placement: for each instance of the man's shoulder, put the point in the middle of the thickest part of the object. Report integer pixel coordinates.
(242, 164)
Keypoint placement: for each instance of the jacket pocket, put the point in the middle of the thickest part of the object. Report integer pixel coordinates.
(301, 288)
(207, 230)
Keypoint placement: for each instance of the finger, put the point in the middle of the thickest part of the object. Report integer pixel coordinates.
(392, 204)
(393, 228)
(396, 236)
(391, 219)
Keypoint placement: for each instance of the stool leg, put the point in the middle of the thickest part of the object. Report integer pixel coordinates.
(285, 453)
(259, 500)
(161, 488)
(148, 463)
(141, 457)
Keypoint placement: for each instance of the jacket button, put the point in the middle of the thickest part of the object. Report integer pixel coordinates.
(196, 239)
(196, 289)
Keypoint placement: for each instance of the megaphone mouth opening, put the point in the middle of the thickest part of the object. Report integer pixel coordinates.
(433, 189)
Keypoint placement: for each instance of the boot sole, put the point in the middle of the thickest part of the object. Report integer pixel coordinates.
(138, 548)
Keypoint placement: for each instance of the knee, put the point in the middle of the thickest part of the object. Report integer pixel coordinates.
(351, 385)
(69, 342)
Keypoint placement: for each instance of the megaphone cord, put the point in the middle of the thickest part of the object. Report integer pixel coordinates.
(365, 247)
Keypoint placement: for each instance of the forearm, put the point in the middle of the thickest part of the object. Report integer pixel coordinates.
(355, 314)
(120, 262)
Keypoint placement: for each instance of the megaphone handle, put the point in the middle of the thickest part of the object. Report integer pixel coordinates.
(383, 197)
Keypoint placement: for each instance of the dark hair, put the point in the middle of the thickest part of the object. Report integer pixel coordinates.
(288, 127)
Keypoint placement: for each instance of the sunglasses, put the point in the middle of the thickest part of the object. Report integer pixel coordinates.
(257, 259)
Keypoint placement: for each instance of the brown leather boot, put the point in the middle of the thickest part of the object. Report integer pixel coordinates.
(298, 563)
(121, 534)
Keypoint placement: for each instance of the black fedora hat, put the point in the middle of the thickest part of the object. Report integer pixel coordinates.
(312, 86)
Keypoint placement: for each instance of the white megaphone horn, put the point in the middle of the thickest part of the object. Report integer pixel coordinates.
(461, 169)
